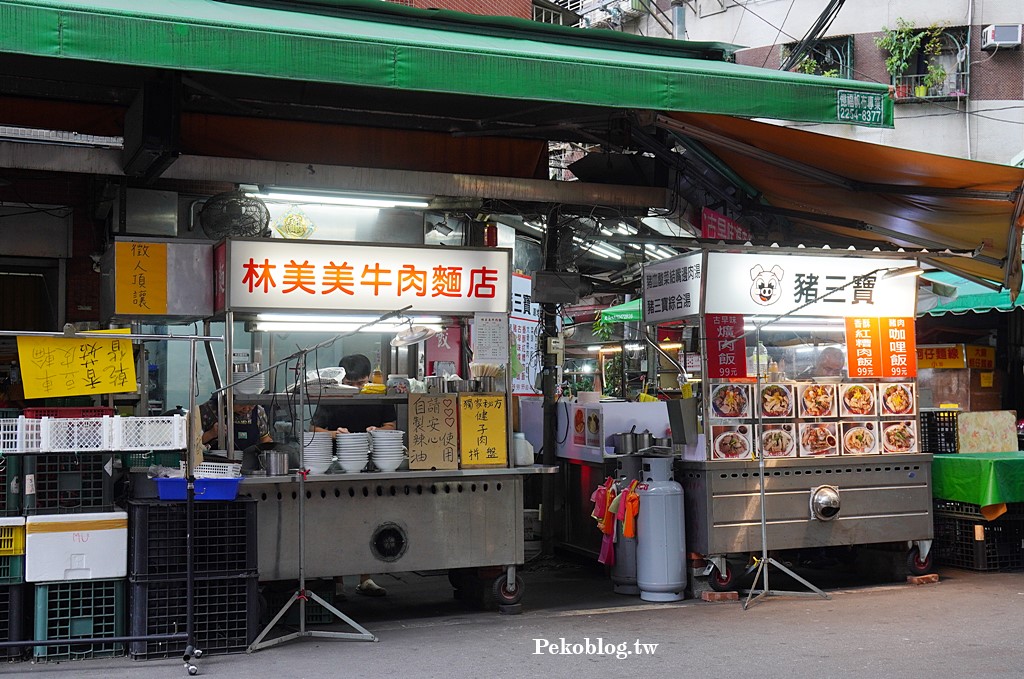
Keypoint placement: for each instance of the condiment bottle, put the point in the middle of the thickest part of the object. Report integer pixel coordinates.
(773, 372)
(378, 376)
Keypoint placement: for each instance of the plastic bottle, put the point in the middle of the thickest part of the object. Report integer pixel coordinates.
(377, 377)
(523, 449)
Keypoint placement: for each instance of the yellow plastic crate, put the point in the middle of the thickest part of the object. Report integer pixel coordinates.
(12, 540)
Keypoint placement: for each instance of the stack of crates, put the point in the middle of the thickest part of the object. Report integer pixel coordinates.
(226, 594)
(939, 433)
(76, 556)
(13, 611)
(964, 539)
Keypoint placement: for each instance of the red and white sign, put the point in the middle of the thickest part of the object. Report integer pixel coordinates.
(727, 348)
(881, 347)
(308, 276)
(717, 226)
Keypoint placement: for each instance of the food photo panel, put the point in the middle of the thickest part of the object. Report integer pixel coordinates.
(730, 401)
(731, 443)
(817, 400)
(777, 400)
(818, 439)
(859, 438)
(857, 400)
(897, 399)
(899, 437)
(778, 440)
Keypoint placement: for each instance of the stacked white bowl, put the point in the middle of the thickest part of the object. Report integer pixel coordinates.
(388, 451)
(353, 451)
(317, 451)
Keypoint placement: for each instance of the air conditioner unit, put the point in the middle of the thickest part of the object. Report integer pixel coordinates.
(1001, 36)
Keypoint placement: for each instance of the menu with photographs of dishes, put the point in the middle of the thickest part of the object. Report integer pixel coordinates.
(777, 400)
(817, 400)
(778, 440)
(859, 437)
(818, 439)
(731, 442)
(897, 399)
(730, 401)
(858, 400)
(899, 437)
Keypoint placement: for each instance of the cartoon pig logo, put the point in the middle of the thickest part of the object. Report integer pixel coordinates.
(765, 288)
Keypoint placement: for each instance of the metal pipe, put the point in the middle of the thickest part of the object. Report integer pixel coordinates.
(678, 20)
(25, 643)
(549, 327)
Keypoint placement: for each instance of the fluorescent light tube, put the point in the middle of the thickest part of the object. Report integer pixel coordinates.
(352, 200)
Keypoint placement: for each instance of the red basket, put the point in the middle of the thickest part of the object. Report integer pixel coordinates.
(97, 411)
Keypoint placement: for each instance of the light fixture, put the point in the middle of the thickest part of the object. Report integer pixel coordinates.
(344, 318)
(912, 270)
(350, 199)
(442, 227)
(414, 334)
(272, 322)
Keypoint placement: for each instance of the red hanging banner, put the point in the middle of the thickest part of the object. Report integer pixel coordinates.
(727, 348)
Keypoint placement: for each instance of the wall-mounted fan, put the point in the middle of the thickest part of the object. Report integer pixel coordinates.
(234, 214)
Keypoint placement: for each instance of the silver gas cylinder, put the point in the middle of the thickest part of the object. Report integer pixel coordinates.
(661, 538)
(623, 574)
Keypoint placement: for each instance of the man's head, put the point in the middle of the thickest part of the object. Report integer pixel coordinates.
(831, 360)
(357, 370)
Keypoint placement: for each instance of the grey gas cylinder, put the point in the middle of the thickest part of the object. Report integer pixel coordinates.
(660, 537)
(623, 574)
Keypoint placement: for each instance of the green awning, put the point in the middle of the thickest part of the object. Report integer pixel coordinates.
(622, 313)
(377, 44)
(970, 296)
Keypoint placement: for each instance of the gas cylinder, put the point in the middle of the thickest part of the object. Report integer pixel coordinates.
(623, 575)
(660, 535)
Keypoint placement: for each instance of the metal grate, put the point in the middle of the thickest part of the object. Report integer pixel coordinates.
(82, 608)
(979, 545)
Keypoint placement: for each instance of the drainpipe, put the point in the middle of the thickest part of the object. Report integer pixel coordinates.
(678, 20)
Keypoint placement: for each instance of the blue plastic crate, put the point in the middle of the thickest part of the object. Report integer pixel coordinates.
(206, 489)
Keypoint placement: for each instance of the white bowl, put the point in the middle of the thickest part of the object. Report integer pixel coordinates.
(387, 465)
(352, 467)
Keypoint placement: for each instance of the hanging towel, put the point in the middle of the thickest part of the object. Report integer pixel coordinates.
(620, 514)
(600, 499)
(632, 505)
(607, 555)
(607, 522)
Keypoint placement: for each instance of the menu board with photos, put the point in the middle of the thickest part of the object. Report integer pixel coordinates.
(859, 437)
(731, 442)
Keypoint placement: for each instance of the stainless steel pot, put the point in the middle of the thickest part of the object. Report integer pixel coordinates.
(275, 463)
(644, 439)
(625, 443)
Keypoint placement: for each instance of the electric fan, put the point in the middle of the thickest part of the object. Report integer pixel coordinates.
(234, 214)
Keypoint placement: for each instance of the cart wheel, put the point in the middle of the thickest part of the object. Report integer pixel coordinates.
(503, 595)
(193, 670)
(916, 565)
(722, 582)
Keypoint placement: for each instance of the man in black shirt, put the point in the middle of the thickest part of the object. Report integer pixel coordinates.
(346, 419)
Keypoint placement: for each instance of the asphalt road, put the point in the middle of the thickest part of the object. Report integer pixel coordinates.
(967, 625)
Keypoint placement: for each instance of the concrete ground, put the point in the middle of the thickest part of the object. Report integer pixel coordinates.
(967, 625)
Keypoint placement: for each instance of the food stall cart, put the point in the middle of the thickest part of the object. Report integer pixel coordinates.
(841, 457)
(459, 506)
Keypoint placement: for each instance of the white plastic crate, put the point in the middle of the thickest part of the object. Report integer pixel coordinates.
(62, 547)
(73, 435)
(149, 433)
(215, 470)
(19, 435)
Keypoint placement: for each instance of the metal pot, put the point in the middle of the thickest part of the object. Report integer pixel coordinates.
(663, 441)
(625, 443)
(644, 439)
(275, 463)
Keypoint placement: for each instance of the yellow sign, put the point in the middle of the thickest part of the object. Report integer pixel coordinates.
(983, 358)
(483, 435)
(943, 356)
(55, 366)
(433, 431)
(140, 279)
(987, 380)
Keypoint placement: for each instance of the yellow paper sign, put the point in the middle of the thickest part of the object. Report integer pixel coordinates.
(483, 440)
(55, 366)
(987, 379)
(140, 278)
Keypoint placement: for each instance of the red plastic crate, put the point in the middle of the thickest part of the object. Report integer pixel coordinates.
(95, 411)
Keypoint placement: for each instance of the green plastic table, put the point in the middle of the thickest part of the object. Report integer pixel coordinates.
(979, 478)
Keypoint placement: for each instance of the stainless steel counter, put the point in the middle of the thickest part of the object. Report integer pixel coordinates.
(405, 475)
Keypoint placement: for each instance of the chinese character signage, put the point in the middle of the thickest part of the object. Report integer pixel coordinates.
(524, 326)
(672, 288)
(310, 276)
(140, 278)
(942, 356)
(490, 338)
(881, 347)
(983, 358)
(861, 108)
(483, 434)
(774, 285)
(55, 366)
(726, 346)
(433, 431)
(719, 227)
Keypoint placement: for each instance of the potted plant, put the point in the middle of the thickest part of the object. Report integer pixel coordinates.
(935, 79)
(902, 43)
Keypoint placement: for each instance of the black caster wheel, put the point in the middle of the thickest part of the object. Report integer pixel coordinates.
(505, 595)
(722, 582)
(918, 566)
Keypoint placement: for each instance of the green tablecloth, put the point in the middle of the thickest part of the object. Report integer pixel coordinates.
(979, 478)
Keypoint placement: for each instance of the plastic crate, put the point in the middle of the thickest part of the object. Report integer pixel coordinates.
(68, 483)
(91, 411)
(967, 510)
(938, 433)
(149, 433)
(76, 435)
(9, 412)
(143, 461)
(13, 620)
(11, 485)
(225, 611)
(223, 539)
(12, 536)
(20, 435)
(205, 489)
(213, 470)
(979, 545)
(82, 608)
(81, 401)
(12, 570)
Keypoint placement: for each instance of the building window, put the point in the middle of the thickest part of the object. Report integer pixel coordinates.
(547, 16)
(938, 70)
(830, 57)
